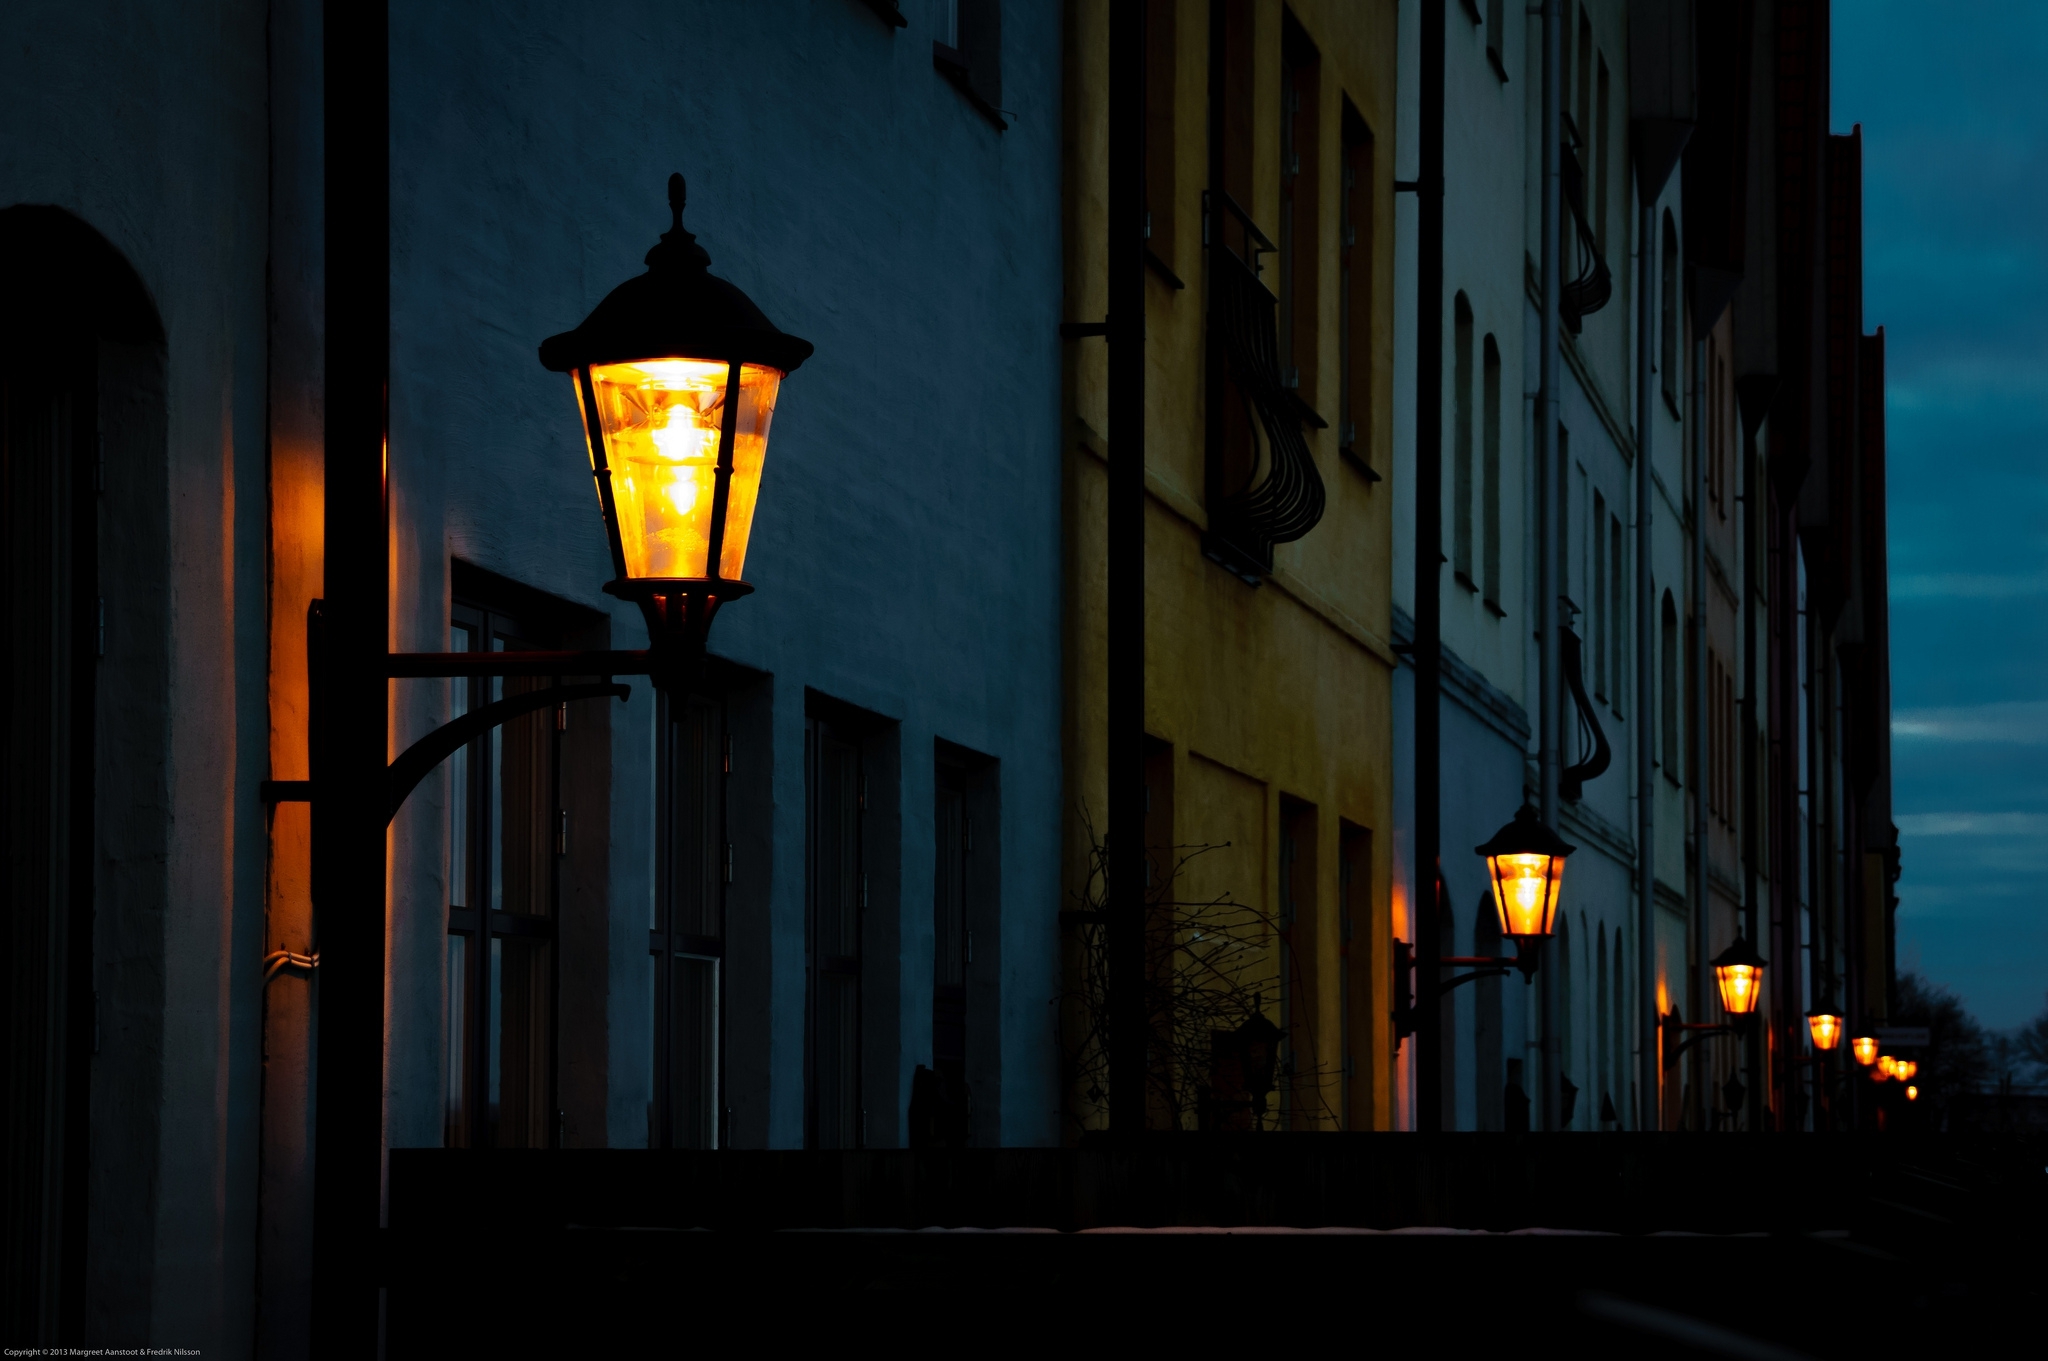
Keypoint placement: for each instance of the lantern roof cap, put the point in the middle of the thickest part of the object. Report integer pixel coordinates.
(1741, 952)
(1526, 834)
(677, 309)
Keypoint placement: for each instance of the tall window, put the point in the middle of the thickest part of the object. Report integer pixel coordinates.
(1354, 294)
(1602, 113)
(965, 929)
(1672, 315)
(1496, 38)
(1354, 974)
(1617, 595)
(1599, 629)
(1162, 150)
(1300, 122)
(1670, 687)
(1301, 1076)
(1462, 492)
(1490, 492)
(510, 823)
(837, 882)
(687, 930)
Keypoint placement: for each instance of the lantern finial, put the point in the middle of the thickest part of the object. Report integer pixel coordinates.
(677, 248)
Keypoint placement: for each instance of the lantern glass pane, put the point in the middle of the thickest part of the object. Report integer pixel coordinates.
(1739, 984)
(1827, 1030)
(1525, 891)
(662, 421)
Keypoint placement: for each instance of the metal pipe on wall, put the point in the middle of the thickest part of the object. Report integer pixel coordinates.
(1752, 519)
(1549, 577)
(1429, 535)
(1695, 718)
(1125, 680)
(1648, 1114)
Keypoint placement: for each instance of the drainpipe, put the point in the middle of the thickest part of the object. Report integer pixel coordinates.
(1648, 1114)
(1752, 409)
(1429, 535)
(1696, 715)
(1549, 577)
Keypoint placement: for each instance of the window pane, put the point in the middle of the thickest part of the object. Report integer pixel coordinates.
(521, 1102)
(526, 825)
(696, 1052)
(456, 1056)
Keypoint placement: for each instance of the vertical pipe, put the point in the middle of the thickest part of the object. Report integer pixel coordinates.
(1648, 1112)
(1696, 725)
(350, 735)
(1126, 563)
(1429, 534)
(1549, 569)
(1752, 517)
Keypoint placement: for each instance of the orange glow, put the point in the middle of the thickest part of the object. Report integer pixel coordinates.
(1886, 1066)
(1903, 1069)
(1865, 1048)
(1525, 891)
(1741, 987)
(1826, 1028)
(1912, 1093)
(663, 421)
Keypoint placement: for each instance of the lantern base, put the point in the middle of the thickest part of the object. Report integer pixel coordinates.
(678, 611)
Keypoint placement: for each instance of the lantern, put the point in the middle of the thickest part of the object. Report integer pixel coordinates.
(1826, 1028)
(676, 375)
(1526, 862)
(1912, 1093)
(1739, 974)
(1886, 1065)
(1903, 1069)
(1865, 1049)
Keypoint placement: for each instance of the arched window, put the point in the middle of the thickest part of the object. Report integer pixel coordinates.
(1461, 442)
(1670, 688)
(1489, 479)
(1670, 357)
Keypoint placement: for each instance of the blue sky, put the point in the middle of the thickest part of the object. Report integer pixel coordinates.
(1955, 240)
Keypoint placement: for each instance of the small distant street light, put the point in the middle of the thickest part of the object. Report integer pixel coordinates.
(1912, 1093)
(1903, 1069)
(1826, 1027)
(1864, 1047)
(1883, 1071)
(676, 375)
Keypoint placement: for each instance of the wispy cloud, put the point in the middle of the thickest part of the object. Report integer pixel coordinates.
(1968, 585)
(2011, 723)
(1973, 824)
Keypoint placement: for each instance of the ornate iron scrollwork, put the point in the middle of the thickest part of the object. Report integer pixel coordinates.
(1594, 286)
(1594, 753)
(1284, 496)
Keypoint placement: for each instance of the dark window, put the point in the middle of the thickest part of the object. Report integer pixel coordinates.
(686, 942)
(953, 839)
(1354, 975)
(1302, 1100)
(511, 820)
(1602, 112)
(969, 52)
(1496, 38)
(1617, 596)
(1162, 148)
(1300, 164)
(1462, 491)
(836, 787)
(1354, 295)
(1490, 474)
(1599, 630)
(1669, 658)
(1669, 350)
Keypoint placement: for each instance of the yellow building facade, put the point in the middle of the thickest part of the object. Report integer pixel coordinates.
(1269, 667)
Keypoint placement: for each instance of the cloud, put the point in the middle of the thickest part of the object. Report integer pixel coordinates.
(1968, 585)
(1973, 824)
(2012, 723)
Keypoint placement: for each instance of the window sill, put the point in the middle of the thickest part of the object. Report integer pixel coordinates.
(1357, 463)
(1163, 270)
(951, 64)
(1462, 579)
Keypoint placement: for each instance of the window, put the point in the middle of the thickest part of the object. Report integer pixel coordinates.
(1354, 295)
(1599, 629)
(1617, 596)
(1583, 69)
(1602, 112)
(1300, 160)
(1670, 355)
(969, 52)
(836, 886)
(1162, 150)
(1354, 973)
(687, 932)
(1496, 39)
(1300, 1076)
(1462, 491)
(1489, 448)
(965, 932)
(1670, 687)
(512, 810)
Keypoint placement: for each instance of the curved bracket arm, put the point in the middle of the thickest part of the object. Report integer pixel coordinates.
(1572, 779)
(1700, 1031)
(437, 746)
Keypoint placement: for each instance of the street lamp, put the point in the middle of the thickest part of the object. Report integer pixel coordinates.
(1864, 1047)
(676, 375)
(1903, 1069)
(1826, 1027)
(1912, 1093)
(1739, 975)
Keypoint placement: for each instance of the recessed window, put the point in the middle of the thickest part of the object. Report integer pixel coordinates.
(969, 52)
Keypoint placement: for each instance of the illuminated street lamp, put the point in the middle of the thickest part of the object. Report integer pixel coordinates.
(1864, 1047)
(1903, 1069)
(1912, 1093)
(1739, 975)
(1826, 1027)
(1885, 1064)
(676, 376)
(1525, 861)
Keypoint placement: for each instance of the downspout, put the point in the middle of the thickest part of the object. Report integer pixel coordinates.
(1696, 711)
(1752, 520)
(1429, 535)
(1648, 1112)
(1549, 580)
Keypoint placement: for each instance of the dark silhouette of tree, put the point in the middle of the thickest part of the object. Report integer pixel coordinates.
(1957, 1061)
(2032, 1044)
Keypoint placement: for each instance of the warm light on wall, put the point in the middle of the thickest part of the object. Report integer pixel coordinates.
(1865, 1049)
(1826, 1028)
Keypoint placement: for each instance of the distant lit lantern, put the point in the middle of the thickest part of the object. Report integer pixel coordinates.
(1887, 1067)
(1526, 862)
(1903, 1069)
(676, 375)
(1826, 1028)
(1865, 1049)
(1739, 974)
(1912, 1093)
